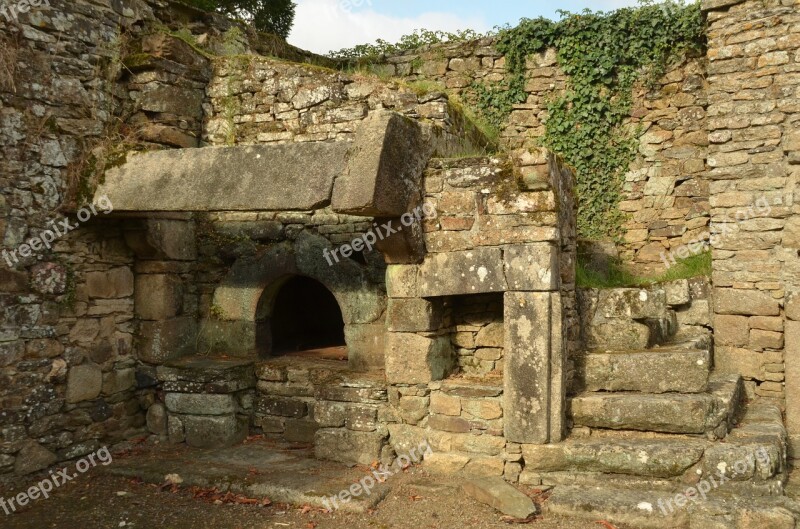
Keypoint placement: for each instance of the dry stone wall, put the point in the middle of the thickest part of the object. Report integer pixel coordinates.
(665, 193)
(754, 110)
(82, 82)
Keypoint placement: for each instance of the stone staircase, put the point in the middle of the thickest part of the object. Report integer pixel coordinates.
(653, 427)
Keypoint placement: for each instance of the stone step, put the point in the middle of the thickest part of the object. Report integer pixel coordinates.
(751, 461)
(711, 413)
(657, 458)
(645, 509)
(682, 368)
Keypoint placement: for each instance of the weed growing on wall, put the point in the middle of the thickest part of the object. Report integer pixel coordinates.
(368, 53)
(603, 55)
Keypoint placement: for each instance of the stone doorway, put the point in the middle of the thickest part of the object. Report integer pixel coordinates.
(304, 319)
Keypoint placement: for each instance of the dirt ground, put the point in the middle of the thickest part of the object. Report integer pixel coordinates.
(98, 501)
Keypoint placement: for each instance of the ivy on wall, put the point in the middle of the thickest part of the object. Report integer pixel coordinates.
(603, 55)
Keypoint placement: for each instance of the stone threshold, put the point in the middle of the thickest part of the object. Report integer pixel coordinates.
(261, 468)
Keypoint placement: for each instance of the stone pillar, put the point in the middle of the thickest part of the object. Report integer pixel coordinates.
(528, 398)
(164, 249)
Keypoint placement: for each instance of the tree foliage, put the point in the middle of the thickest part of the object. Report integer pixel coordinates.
(271, 16)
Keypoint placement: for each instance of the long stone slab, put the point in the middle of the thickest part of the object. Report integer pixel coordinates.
(694, 413)
(662, 458)
(650, 371)
(241, 178)
(477, 271)
(527, 385)
(667, 413)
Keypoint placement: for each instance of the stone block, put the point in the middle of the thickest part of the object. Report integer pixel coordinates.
(115, 283)
(792, 335)
(281, 407)
(401, 281)
(617, 335)
(163, 239)
(406, 245)
(649, 457)
(677, 292)
(33, 457)
(699, 313)
(416, 359)
(300, 430)
(632, 303)
(299, 176)
(738, 361)
(483, 409)
(793, 305)
(653, 371)
(745, 302)
(361, 418)
(413, 315)
(384, 168)
(175, 429)
(501, 496)
(531, 267)
(166, 340)
(119, 380)
(479, 271)
(492, 335)
(731, 330)
(446, 463)
(84, 383)
(220, 431)
(760, 339)
(347, 446)
(330, 414)
(157, 419)
(526, 394)
(366, 346)
(158, 296)
(443, 404)
(201, 374)
(200, 404)
(445, 423)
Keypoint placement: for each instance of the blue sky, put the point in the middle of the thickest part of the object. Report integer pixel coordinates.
(324, 25)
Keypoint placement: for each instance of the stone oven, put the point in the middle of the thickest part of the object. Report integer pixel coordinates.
(449, 327)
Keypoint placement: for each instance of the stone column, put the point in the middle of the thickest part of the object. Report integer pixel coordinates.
(528, 346)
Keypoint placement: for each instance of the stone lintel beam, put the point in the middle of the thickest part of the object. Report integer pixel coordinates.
(296, 176)
(383, 175)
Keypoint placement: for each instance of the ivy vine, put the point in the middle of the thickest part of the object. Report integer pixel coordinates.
(603, 55)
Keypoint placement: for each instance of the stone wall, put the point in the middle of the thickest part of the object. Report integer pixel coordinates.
(476, 332)
(88, 81)
(260, 100)
(753, 116)
(67, 329)
(665, 194)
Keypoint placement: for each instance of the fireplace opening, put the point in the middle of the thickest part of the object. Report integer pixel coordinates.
(306, 321)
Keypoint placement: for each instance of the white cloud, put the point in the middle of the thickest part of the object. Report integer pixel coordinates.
(324, 25)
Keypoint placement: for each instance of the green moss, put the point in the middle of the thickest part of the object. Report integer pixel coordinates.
(138, 60)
